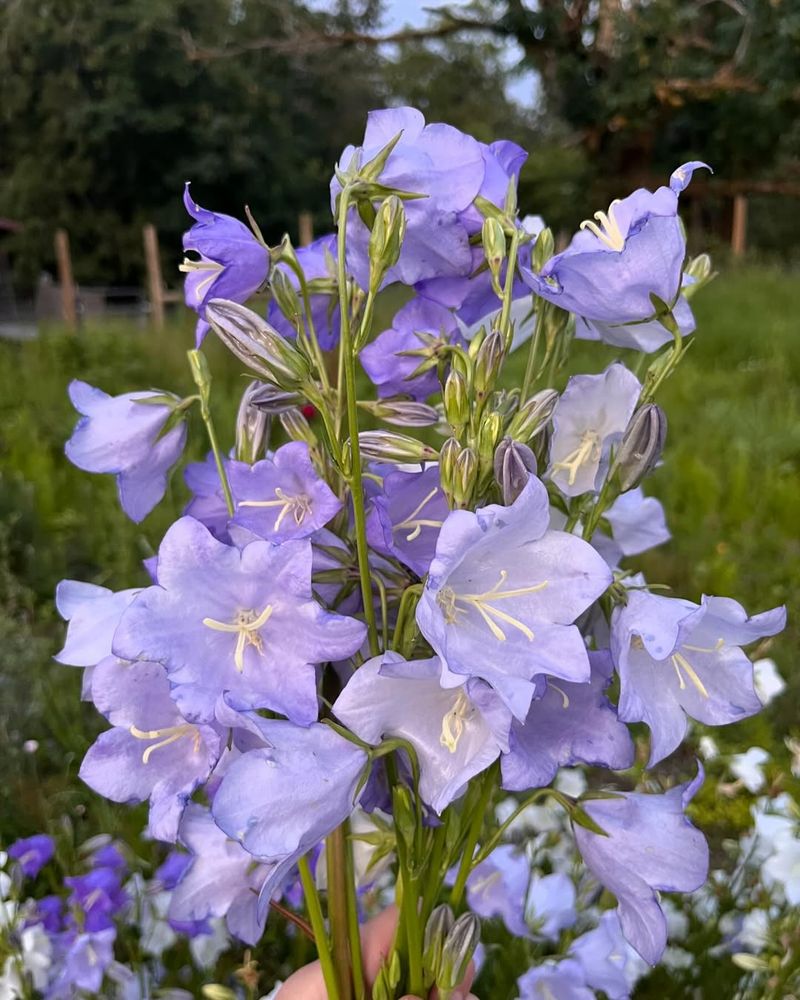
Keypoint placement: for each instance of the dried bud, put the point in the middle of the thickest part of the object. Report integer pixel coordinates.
(285, 296)
(251, 426)
(439, 925)
(457, 953)
(488, 363)
(386, 239)
(494, 249)
(514, 464)
(386, 446)
(466, 477)
(456, 401)
(641, 446)
(257, 344)
(402, 412)
(533, 416)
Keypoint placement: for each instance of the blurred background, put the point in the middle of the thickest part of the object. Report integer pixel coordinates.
(107, 108)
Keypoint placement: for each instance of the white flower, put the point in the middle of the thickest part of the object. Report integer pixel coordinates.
(769, 683)
(37, 954)
(571, 781)
(748, 767)
(206, 948)
(10, 983)
(708, 748)
(754, 931)
(783, 868)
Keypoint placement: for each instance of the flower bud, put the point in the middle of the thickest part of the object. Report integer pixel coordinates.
(543, 249)
(251, 426)
(488, 363)
(402, 412)
(448, 456)
(533, 416)
(271, 399)
(297, 427)
(457, 953)
(466, 477)
(439, 925)
(641, 446)
(285, 296)
(488, 435)
(215, 991)
(456, 401)
(494, 249)
(699, 273)
(201, 373)
(405, 821)
(386, 239)
(386, 446)
(514, 464)
(253, 341)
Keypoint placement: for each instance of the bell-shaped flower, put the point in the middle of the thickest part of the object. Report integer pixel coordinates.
(609, 963)
(99, 896)
(281, 800)
(208, 501)
(232, 263)
(93, 614)
(282, 497)
(32, 853)
(498, 887)
(502, 160)
(638, 523)
(223, 880)
(502, 594)
(569, 724)
(127, 435)
(436, 161)
(588, 419)
(550, 907)
(613, 266)
(405, 517)
(83, 966)
(649, 847)
(457, 732)
(563, 980)
(422, 327)
(318, 261)
(677, 659)
(243, 622)
(152, 752)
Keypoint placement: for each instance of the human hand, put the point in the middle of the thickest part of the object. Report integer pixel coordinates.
(376, 943)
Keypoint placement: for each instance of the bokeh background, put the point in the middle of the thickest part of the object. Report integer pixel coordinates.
(107, 108)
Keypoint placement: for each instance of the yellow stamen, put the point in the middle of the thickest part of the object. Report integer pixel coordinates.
(170, 734)
(246, 629)
(453, 722)
(299, 506)
(483, 603)
(608, 230)
(417, 524)
(587, 451)
(680, 663)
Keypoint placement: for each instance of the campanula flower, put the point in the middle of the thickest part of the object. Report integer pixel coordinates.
(550, 907)
(243, 622)
(152, 752)
(677, 659)
(551, 980)
(125, 435)
(568, 724)
(436, 161)
(84, 964)
(502, 594)
(457, 732)
(638, 523)
(502, 160)
(649, 847)
(93, 614)
(232, 263)
(99, 896)
(588, 419)
(283, 496)
(609, 963)
(32, 853)
(208, 501)
(498, 887)
(318, 261)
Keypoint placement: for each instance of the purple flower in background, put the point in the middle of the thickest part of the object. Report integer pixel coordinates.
(569, 724)
(457, 732)
(99, 895)
(242, 622)
(282, 497)
(279, 801)
(551, 905)
(422, 326)
(49, 913)
(318, 261)
(610, 269)
(676, 658)
(498, 887)
(232, 265)
(152, 752)
(638, 523)
(405, 517)
(588, 419)
(84, 964)
(208, 501)
(124, 435)
(502, 160)
(609, 963)
(32, 853)
(562, 980)
(650, 847)
(436, 161)
(502, 594)
(109, 856)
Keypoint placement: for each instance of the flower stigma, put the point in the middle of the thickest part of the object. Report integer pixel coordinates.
(188, 266)
(448, 601)
(166, 736)
(298, 506)
(417, 524)
(606, 229)
(245, 627)
(587, 451)
(453, 722)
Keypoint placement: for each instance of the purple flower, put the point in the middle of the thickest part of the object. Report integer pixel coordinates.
(109, 856)
(279, 801)
(84, 964)
(551, 905)
(502, 594)
(282, 497)
(32, 853)
(232, 265)
(612, 267)
(554, 981)
(645, 336)
(222, 880)
(502, 160)
(242, 622)
(498, 887)
(609, 963)
(318, 261)
(173, 868)
(588, 419)
(650, 847)
(569, 724)
(93, 614)
(152, 752)
(49, 913)
(457, 731)
(637, 522)
(436, 161)
(99, 895)
(676, 658)
(405, 517)
(125, 435)
(208, 501)
(421, 326)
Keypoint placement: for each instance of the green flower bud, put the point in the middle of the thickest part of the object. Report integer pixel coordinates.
(456, 401)
(386, 239)
(387, 446)
(215, 991)
(439, 925)
(448, 456)
(488, 362)
(271, 399)
(402, 412)
(297, 427)
(699, 269)
(494, 250)
(251, 426)
(533, 416)
(641, 446)
(466, 477)
(457, 953)
(488, 436)
(286, 297)
(543, 249)
(514, 464)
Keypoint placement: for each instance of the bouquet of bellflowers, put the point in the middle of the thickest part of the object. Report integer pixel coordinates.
(405, 594)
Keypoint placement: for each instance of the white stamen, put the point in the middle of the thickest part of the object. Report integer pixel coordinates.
(680, 663)
(299, 506)
(448, 601)
(587, 451)
(170, 734)
(246, 629)
(417, 524)
(608, 230)
(453, 722)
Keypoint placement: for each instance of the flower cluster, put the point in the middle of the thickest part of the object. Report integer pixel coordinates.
(401, 623)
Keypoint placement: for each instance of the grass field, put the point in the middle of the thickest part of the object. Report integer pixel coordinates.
(729, 483)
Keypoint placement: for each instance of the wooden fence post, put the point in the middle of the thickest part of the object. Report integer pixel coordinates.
(69, 303)
(155, 283)
(739, 227)
(305, 229)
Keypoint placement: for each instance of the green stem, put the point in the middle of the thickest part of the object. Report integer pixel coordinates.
(497, 836)
(476, 825)
(348, 360)
(318, 926)
(312, 331)
(338, 915)
(533, 350)
(504, 326)
(202, 379)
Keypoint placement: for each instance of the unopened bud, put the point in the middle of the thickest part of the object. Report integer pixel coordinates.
(488, 435)
(494, 249)
(272, 399)
(201, 373)
(297, 427)
(402, 412)
(641, 446)
(699, 272)
(456, 401)
(386, 239)
(258, 345)
(251, 426)
(488, 363)
(215, 991)
(466, 477)
(439, 925)
(543, 249)
(448, 456)
(457, 953)
(286, 297)
(386, 446)
(533, 416)
(514, 464)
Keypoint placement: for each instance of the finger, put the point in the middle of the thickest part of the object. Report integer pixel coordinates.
(377, 938)
(305, 984)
